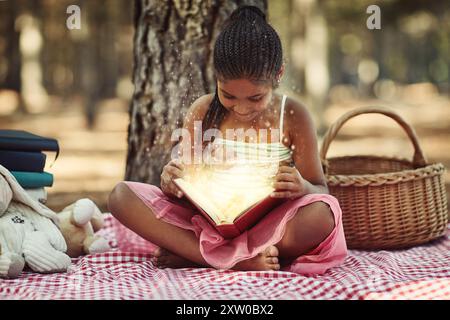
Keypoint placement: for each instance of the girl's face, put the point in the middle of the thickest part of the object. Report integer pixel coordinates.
(245, 99)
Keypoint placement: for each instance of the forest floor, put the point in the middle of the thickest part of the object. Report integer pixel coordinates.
(92, 161)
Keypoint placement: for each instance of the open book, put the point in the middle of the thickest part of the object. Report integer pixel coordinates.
(232, 199)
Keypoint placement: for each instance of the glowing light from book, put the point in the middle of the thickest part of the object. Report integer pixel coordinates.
(232, 188)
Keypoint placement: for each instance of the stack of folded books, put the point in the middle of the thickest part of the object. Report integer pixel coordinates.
(22, 153)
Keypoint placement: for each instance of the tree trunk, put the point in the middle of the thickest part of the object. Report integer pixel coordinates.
(172, 67)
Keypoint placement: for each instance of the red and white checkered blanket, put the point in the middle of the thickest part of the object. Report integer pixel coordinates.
(127, 273)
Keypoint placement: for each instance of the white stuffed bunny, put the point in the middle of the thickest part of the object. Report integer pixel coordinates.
(29, 234)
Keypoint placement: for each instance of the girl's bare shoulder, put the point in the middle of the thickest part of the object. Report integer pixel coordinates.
(298, 116)
(200, 106)
(197, 110)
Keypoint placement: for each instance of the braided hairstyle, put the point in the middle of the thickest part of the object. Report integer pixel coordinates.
(248, 47)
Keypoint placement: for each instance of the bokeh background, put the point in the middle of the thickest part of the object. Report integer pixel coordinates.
(75, 85)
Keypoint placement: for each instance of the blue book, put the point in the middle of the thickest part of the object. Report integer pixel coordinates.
(33, 179)
(20, 140)
(22, 160)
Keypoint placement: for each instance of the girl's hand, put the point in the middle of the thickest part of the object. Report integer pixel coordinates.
(288, 183)
(172, 170)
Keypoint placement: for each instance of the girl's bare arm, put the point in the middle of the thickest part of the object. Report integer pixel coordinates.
(176, 167)
(302, 134)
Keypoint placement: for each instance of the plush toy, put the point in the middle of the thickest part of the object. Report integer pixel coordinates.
(78, 223)
(35, 236)
(29, 234)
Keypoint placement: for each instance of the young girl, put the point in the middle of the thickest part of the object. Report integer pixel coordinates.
(304, 234)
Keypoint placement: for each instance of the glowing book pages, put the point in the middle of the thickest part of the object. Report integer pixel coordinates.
(233, 199)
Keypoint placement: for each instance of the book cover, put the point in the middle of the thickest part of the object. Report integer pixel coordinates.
(20, 140)
(22, 160)
(234, 217)
(33, 179)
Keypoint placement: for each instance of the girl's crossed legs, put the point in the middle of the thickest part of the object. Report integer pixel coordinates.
(180, 247)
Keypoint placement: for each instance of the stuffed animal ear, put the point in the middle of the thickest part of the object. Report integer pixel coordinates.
(11, 265)
(97, 220)
(83, 211)
(5, 195)
(95, 244)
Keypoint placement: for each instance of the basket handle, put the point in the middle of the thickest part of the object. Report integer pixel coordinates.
(418, 159)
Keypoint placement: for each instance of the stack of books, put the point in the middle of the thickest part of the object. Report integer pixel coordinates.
(22, 153)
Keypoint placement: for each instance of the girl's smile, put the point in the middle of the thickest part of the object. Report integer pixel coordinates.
(245, 117)
(244, 99)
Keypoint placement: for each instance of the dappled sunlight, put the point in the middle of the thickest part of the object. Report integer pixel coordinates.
(9, 102)
(34, 94)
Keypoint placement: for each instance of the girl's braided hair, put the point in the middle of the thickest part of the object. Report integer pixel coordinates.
(248, 47)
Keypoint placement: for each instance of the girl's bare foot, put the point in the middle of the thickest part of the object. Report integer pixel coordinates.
(166, 259)
(266, 260)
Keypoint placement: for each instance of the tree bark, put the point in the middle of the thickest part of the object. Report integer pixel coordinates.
(173, 46)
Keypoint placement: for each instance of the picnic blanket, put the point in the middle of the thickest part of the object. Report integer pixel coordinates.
(126, 272)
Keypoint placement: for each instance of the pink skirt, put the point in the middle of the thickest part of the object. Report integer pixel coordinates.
(225, 253)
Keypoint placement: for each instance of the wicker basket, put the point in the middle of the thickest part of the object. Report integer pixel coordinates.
(387, 203)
